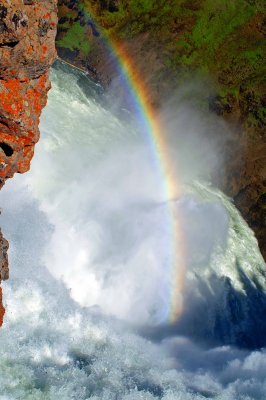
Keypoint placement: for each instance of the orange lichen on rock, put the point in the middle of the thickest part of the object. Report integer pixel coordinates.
(27, 50)
(21, 103)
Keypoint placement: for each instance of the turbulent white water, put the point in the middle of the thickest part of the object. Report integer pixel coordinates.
(89, 248)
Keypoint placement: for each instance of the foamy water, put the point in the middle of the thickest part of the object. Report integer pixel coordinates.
(88, 298)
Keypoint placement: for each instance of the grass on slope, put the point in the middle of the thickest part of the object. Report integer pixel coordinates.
(207, 37)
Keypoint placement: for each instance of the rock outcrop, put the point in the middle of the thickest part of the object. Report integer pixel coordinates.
(27, 50)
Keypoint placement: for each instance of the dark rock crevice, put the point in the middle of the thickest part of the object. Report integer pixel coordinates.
(9, 44)
(6, 149)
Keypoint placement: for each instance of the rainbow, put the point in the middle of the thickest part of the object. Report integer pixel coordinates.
(154, 131)
(169, 179)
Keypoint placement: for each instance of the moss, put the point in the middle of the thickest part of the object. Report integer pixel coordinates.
(138, 7)
(85, 47)
(75, 38)
(217, 20)
(254, 56)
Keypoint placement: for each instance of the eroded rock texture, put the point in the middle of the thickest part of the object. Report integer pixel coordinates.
(27, 50)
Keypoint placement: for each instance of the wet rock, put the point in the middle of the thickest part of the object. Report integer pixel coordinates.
(219, 105)
(4, 271)
(27, 50)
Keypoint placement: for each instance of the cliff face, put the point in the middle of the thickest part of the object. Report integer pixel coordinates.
(27, 50)
(220, 45)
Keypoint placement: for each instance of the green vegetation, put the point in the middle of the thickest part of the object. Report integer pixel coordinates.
(141, 6)
(75, 38)
(216, 22)
(215, 38)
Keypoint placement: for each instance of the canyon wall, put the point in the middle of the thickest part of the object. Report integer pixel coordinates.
(212, 52)
(27, 50)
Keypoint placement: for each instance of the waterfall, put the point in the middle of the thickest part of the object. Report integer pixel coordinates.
(88, 298)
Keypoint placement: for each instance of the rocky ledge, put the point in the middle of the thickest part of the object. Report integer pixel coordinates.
(27, 50)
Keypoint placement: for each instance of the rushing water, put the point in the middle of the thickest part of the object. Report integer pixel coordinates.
(88, 297)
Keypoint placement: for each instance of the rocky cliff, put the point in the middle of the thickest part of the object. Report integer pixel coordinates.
(219, 46)
(27, 50)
